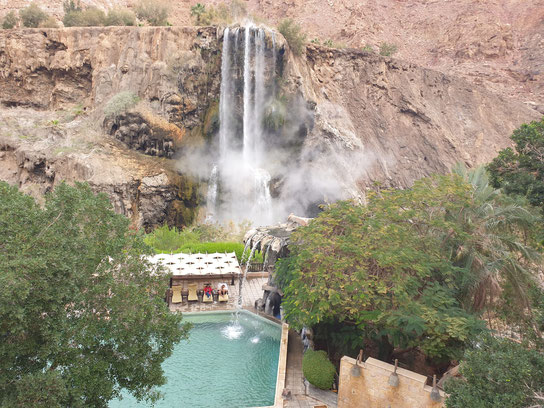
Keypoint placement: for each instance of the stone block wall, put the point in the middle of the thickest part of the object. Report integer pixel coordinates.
(372, 390)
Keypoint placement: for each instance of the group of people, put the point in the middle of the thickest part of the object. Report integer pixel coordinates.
(208, 291)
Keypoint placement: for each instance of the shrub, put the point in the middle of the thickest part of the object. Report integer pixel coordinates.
(497, 373)
(368, 48)
(293, 34)
(166, 239)
(120, 17)
(153, 11)
(10, 20)
(274, 115)
(317, 369)
(387, 49)
(90, 17)
(198, 11)
(50, 22)
(120, 103)
(32, 15)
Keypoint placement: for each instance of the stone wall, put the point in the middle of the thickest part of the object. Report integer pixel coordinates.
(372, 390)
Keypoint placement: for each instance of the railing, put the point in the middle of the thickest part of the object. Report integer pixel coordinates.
(255, 267)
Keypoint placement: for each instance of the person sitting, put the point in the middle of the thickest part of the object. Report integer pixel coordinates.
(223, 290)
(208, 291)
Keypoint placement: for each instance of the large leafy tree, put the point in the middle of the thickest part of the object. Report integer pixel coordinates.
(381, 268)
(81, 314)
(520, 171)
(498, 373)
(414, 267)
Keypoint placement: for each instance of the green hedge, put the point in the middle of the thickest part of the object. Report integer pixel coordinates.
(221, 247)
(317, 369)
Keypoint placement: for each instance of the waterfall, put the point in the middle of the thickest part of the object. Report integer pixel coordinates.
(247, 86)
(225, 100)
(248, 119)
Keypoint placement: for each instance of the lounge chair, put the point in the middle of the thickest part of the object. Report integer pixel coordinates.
(176, 294)
(192, 296)
(225, 297)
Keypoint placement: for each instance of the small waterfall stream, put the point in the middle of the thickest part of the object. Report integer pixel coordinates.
(239, 185)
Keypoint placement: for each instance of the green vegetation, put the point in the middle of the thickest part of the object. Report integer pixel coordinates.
(89, 17)
(32, 15)
(10, 20)
(120, 17)
(387, 49)
(414, 268)
(155, 12)
(367, 48)
(294, 35)
(275, 114)
(201, 238)
(82, 315)
(198, 11)
(220, 14)
(120, 103)
(317, 369)
(520, 171)
(498, 373)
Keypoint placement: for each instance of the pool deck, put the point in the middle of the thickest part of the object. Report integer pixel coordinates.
(251, 291)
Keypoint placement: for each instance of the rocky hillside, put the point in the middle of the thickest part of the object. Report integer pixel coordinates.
(366, 118)
(497, 43)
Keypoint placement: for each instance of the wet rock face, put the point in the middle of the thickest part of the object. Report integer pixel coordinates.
(132, 129)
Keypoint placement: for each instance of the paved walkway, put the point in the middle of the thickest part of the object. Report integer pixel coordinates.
(294, 381)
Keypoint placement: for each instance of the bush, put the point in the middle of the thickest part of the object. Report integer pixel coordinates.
(387, 49)
(153, 11)
(32, 15)
(120, 103)
(317, 369)
(10, 20)
(120, 17)
(90, 17)
(293, 34)
(50, 22)
(497, 373)
(166, 239)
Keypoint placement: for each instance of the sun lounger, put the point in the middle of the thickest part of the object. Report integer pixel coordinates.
(176, 294)
(192, 296)
(225, 297)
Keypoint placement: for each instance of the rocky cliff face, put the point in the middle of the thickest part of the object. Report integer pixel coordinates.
(380, 119)
(499, 44)
(365, 118)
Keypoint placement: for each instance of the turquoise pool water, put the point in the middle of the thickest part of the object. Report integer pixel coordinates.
(228, 362)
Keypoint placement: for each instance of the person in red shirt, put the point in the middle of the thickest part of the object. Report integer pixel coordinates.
(208, 290)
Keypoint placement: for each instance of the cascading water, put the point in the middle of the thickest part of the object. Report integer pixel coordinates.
(239, 185)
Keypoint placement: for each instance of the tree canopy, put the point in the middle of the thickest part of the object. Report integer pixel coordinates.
(81, 312)
(498, 373)
(520, 171)
(413, 267)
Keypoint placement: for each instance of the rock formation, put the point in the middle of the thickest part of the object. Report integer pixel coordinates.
(363, 118)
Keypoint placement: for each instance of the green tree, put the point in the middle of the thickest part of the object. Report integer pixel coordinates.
(520, 171)
(197, 11)
(496, 243)
(293, 34)
(32, 15)
(81, 313)
(10, 20)
(497, 373)
(382, 269)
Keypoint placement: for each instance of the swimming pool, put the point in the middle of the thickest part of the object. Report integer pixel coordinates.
(229, 361)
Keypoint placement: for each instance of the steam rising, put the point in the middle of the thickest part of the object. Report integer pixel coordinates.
(273, 155)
